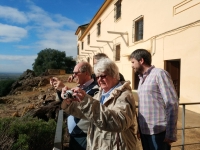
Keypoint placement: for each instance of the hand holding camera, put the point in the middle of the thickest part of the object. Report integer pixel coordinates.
(68, 94)
(75, 94)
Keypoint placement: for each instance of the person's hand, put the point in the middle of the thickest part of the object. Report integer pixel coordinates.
(65, 100)
(51, 81)
(79, 94)
(70, 78)
(56, 83)
(168, 141)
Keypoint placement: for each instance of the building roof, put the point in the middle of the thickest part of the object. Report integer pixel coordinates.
(94, 19)
(81, 27)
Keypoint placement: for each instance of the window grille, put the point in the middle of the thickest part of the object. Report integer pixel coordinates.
(117, 53)
(98, 28)
(117, 10)
(88, 39)
(138, 29)
(78, 50)
(82, 45)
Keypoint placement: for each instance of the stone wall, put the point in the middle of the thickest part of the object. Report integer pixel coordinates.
(56, 72)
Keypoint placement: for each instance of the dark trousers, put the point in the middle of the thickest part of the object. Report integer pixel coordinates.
(154, 142)
(77, 143)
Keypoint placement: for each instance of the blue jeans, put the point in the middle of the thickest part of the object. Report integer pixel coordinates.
(154, 142)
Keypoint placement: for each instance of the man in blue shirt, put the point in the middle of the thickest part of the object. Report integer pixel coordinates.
(78, 127)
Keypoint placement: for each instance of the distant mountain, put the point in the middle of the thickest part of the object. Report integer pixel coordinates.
(6, 75)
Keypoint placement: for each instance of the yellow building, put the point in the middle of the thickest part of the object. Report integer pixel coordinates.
(170, 30)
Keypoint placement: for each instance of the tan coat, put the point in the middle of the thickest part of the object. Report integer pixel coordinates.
(112, 125)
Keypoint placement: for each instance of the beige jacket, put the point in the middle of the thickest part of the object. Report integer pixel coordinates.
(112, 125)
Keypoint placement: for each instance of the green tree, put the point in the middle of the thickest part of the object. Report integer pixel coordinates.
(5, 86)
(52, 59)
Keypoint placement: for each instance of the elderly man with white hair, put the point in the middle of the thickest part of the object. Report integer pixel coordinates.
(111, 112)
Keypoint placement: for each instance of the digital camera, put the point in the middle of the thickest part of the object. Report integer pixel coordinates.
(68, 94)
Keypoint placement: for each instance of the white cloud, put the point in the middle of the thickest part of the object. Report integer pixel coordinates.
(10, 33)
(19, 58)
(66, 21)
(41, 29)
(60, 40)
(9, 63)
(53, 30)
(23, 46)
(47, 21)
(40, 18)
(12, 14)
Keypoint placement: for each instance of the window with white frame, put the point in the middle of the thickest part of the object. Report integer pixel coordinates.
(117, 9)
(117, 53)
(138, 29)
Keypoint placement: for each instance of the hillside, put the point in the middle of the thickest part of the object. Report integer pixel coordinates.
(29, 94)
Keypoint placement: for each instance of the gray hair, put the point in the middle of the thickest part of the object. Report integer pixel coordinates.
(99, 56)
(105, 65)
(86, 67)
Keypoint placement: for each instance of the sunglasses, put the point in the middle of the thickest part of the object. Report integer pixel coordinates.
(101, 76)
(76, 72)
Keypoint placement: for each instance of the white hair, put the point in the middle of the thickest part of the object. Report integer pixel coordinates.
(107, 66)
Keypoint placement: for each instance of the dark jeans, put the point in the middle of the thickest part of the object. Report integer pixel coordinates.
(154, 142)
(77, 143)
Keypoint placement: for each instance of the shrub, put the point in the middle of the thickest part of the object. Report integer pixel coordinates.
(26, 134)
(5, 86)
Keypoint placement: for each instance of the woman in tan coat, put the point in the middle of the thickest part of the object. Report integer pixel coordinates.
(111, 111)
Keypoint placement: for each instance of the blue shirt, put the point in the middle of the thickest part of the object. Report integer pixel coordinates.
(72, 121)
(104, 96)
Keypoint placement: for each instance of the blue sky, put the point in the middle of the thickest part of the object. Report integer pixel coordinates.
(29, 26)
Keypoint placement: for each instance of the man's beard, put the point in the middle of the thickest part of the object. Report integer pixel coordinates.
(139, 70)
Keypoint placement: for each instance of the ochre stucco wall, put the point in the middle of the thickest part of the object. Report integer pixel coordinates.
(171, 31)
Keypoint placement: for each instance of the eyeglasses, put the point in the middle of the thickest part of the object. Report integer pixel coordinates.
(101, 76)
(76, 72)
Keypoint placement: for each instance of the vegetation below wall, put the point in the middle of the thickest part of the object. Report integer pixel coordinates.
(5, 86)
(31, 96)
(26, 133)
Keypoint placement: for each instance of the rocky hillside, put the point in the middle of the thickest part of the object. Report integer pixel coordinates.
(33, 94)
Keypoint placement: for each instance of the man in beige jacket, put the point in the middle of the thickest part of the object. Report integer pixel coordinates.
(111, 112)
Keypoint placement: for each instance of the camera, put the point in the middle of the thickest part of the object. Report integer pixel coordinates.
(68, 94)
